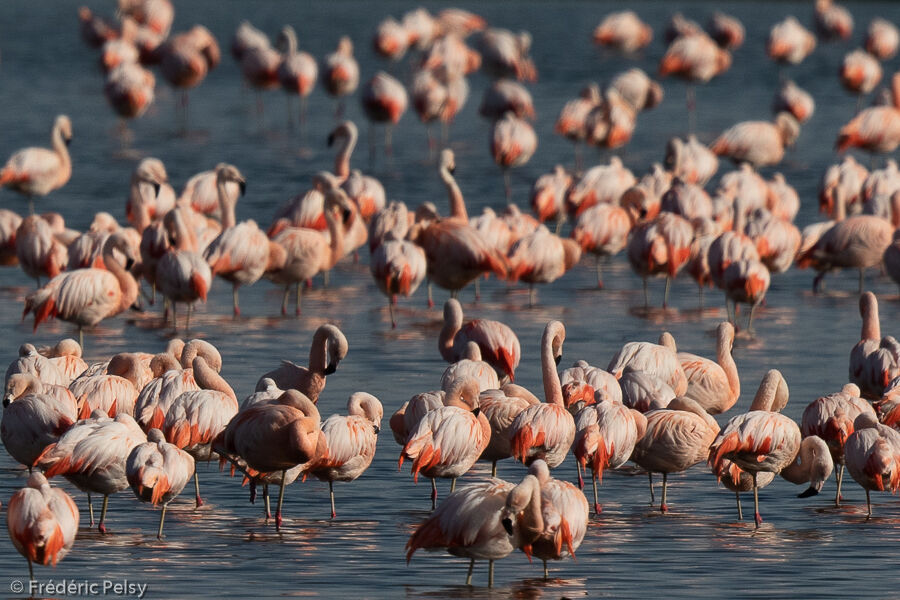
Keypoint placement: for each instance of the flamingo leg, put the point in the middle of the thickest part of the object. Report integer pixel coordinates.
(102, 526)
(284, 301)
(652, 497)
(81, 336)
(546, 571)
(234, 298)
(756, 514)
(278, 519)
(839, 476)
(469, 574)
(646, 297)
(700, 287)
(430, 299)
(530, 295)
(490, 573)
(91, 509)
(198, 499)
(580, 476)
(507, 183)
(493, 468)
(663, 507)
(597, 508)
(30, 570)
(433, 494)
(750, 319)
(162, 517)
(175, 317)
(331, 493)
(597, 264)
(477, 289)
(453, 485)
(868, 506)
(187, 325)
(666, 292)
(862, 278)
(266, 500)
(302, 118)
(299, 293)
(737, 496)
(391, 310)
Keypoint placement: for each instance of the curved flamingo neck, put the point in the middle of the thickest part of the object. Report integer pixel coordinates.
(552, 387)
(208, 379)
(185, 238)
(225, 205)
(726, 361)
(840, 203)
(453, 320)
(291, 38)
(871, 325)
(767, 392)
(342, 160)
(457, 203)
(531, 523)
(59, 146)
(127, 284)
(336, 232)
(319, 351)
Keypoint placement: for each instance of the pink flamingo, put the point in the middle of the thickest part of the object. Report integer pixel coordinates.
(156, 15)
(882, 39)
(96, 30)
(762, 439)
(87, 296)
(833, 20)
(9, 223)
(447, 441)
(726, 30)
(398, 267)
(623, 31)
(501, 407)
(38, 251)
(694, 58)
(505, 54)
(795, 100)
(831, 418)
(782, 201)
(391, 39)
(873, 360)
(548, 195)
(558, 517)
(605, 436)
(274, 436)
(541, 257)
(42, 522)
(637, 89)
(341, 72)
(513, 143)
(872, 454)
(759, 143)
(115, 391)
(350, 442)
(746, 281)
(790, 42)
(241, 253)
(860, 72)
(92, 455)
(506, 96)
(498, 344)
(468, 366)
(603, 184)
(157, 472)
(877, 128)
(715, 385)
(66, 355)
(677, 437)
(659, 360)
(660, 246)
(149, 187)
(546, 430)
(129, 90)
(328, 349)
(182, 275)
(572, 120)
(187, 57)
(297, 72)
(384, 100)
(39, 171)
(34, 415)
(33, 363)
(464, 524)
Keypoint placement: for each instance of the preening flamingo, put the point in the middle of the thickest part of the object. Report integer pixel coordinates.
(328, 349)
(872, 453)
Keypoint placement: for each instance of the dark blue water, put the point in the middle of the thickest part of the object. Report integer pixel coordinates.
(806, 548)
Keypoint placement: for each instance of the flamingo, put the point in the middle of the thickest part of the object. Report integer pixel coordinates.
(182, 275)
(92, 455)
(196, 417)
(447, 441)
(677, 437)
(694, 58)
(398, 267)
(39, 171)
(795, 100)
(157, 472)
(506, 96)
(605, 435)
(42, 522)
(297, 72)
(603, 184)
(455, 252)
(384, 100)
(149, 187)
(659, 360)
(498, 344)
(513, 143)
(873, 360)
(759, 143)
(341, 72)
(201, 192)
(242, 252)
(468, 366)
(545, 431)
(391, 39)
(34, 415)
(34, 363)
(860, 72)
(541, 257)
(762, 439)
(726, 30)
(715, 385)
(790, 42)
(95, 30)
(350, 442)
(467, 524)
(623, 31)
(548, 196)
(882, 39)
(660, 246)
(833, 20)
(637, 89)
(501, 407)
(186, 58)
(328, 349)
(274, 436)
(572, 120)
(38, 251)
(877, 128)
(505, 54)
(129, 89)
(87, 296)
(563, 510)
(156, 15)
(892, 258)
(746, 281)
(246, 37)
(691, 161)
(9, 224)
(115, 391)
(603, 231)
(831, 418)
(872, 454)
(66, 355)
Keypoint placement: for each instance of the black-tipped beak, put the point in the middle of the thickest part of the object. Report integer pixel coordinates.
(642, 213)
(6, 401)
(68, 141)
(557, 359)
(330, 140)
(331, 368)
(243, 186)
(476, 411)
(452, 169)
(346, 214)
(811, 491)
(507, 525)
(129, 262)
(156, 188)
(377, 429)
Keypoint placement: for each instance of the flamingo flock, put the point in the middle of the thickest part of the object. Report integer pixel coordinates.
(144, 420)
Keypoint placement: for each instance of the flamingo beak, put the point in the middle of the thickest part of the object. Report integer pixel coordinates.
(507, 525)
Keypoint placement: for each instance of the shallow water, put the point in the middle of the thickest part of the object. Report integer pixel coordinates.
(224, 549)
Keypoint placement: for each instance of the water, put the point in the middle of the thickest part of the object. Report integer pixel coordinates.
(224, 549)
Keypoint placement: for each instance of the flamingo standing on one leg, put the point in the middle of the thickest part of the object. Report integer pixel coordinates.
(513, 143)
(341, 76)
(498, 343)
